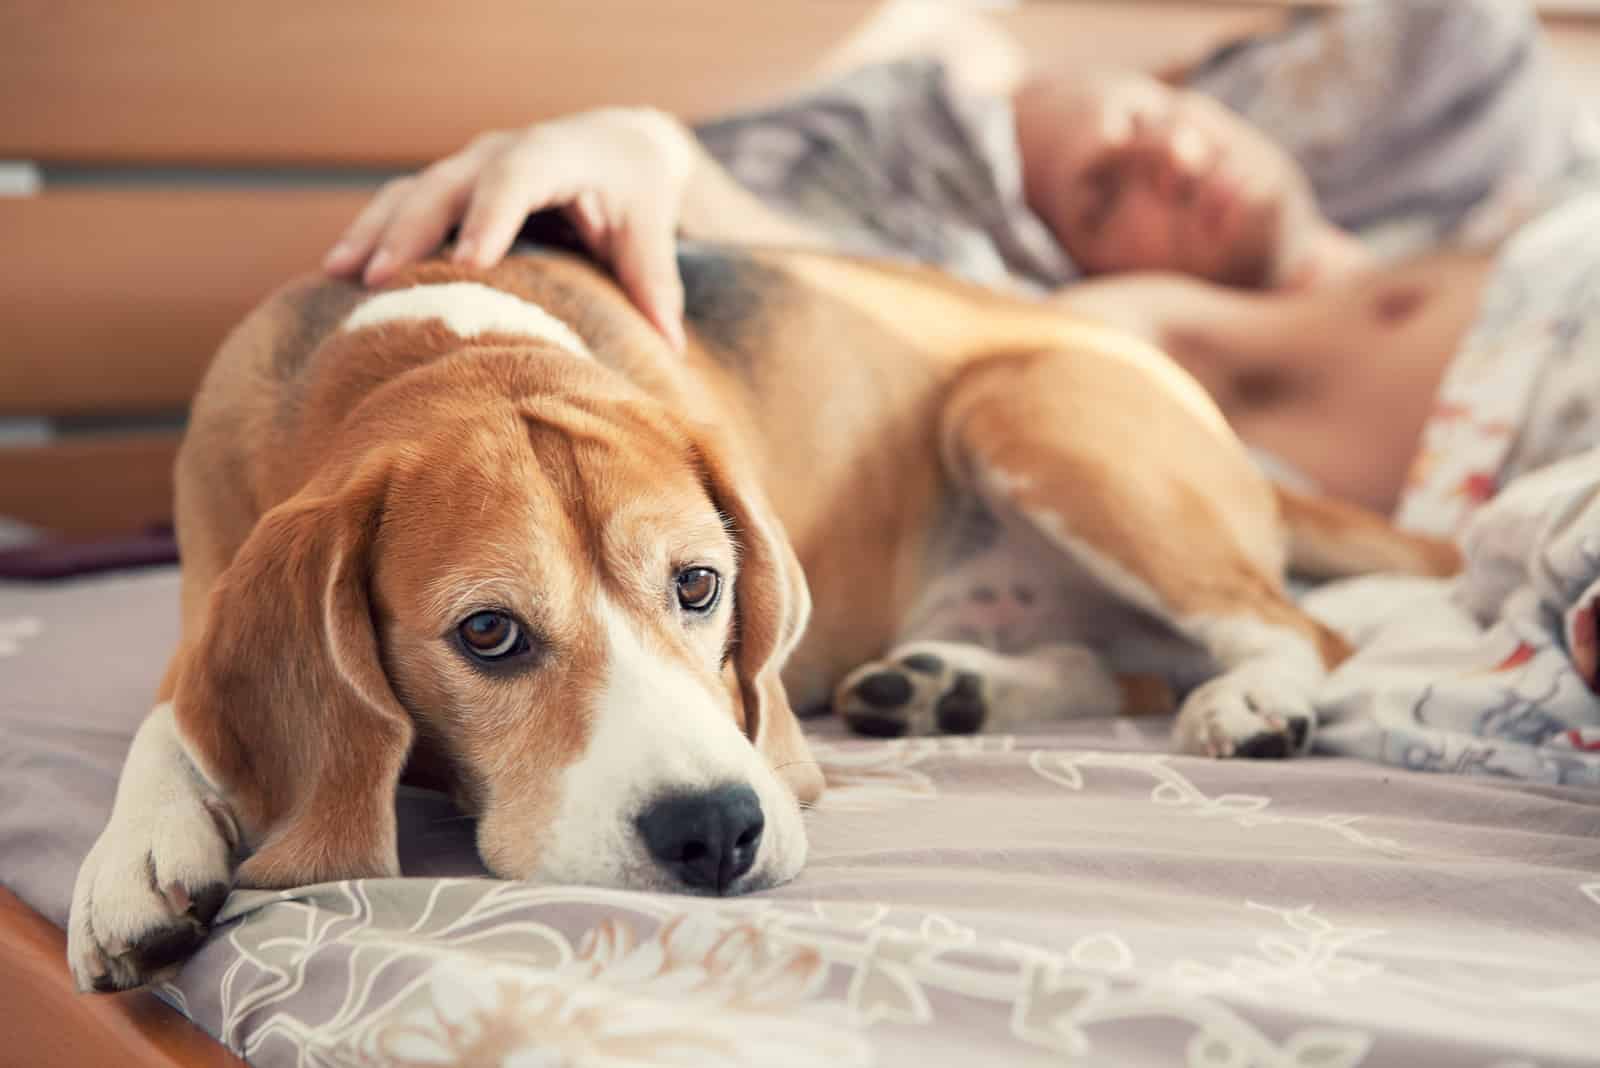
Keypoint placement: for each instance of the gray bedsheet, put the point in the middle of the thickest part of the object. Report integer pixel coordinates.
(1073, 893)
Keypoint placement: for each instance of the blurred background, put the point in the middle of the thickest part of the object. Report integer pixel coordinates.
(163, 166)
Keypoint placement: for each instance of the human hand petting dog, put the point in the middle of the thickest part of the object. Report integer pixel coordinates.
(619, 174)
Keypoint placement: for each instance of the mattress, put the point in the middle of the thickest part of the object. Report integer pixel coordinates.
(1073, 891)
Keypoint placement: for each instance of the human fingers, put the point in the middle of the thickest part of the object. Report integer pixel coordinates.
(424, 215)
(355, 245)
(537, 170)
(644, 256)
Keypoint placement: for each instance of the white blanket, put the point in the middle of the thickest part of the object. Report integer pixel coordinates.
(1493, 672)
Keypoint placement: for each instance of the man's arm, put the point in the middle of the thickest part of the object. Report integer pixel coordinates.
(717, 208)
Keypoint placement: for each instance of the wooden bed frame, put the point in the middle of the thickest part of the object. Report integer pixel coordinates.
(196, 155)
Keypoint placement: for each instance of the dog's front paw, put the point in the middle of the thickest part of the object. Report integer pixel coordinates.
(147, 893)
(1246, 713)
(919, 693)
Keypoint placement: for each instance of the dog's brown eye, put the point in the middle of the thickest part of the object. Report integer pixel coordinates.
(698, 588)
(491, 635)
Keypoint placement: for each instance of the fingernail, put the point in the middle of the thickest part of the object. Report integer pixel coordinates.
(337, 255)
(466, 252)
(380, 263)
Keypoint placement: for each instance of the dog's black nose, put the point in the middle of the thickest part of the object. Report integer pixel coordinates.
(709, 839)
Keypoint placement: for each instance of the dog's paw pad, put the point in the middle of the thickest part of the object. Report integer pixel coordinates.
(1246, 716)
(148, 893)
(122, 963)
(1299, 733)
(1280, 740)
(923, 664)
(161, 948)
(200, 905)
(962, 708)
(884, 689)
(875, 704)
(919, 693)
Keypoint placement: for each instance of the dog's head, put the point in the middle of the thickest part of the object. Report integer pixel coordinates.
(564, 589)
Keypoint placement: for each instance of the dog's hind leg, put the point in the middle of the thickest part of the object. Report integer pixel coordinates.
(1135, 479)
(1331, 539)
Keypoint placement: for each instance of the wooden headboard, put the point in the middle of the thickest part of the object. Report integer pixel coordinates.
(194, 155)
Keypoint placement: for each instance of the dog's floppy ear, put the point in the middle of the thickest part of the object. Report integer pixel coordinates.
(285, 699)
(772, 605)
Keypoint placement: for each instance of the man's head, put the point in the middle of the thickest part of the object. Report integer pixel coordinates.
(1133, 175)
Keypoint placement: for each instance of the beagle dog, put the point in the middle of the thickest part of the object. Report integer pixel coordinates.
(486, 526)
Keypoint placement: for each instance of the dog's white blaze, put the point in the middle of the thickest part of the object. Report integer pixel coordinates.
(467, 309)
(657, 730)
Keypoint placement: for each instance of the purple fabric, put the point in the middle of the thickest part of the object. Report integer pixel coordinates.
(65, 559)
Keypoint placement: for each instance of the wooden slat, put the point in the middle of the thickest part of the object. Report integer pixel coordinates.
(45, 1023)
(114, 301)
(397, 82)
(1152, 35)
(375, 81)
(105, 484)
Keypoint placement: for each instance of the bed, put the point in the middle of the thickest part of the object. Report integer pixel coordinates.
(1016, 898)
(1023, 899)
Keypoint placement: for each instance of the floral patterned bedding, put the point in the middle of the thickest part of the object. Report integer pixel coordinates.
(1073, 894)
